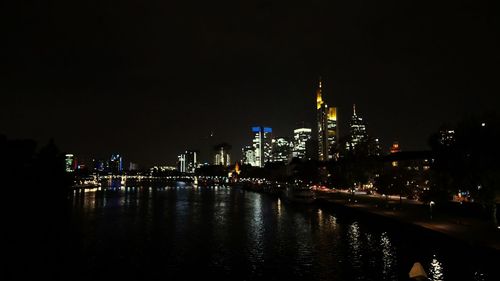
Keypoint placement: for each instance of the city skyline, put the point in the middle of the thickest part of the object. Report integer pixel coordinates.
(212, 139)
(250, 140)
(152, 87)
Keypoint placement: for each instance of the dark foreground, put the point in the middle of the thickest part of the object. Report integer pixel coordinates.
(185, 233)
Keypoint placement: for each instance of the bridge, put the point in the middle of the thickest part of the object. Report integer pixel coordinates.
(124, 180)
(120, 181)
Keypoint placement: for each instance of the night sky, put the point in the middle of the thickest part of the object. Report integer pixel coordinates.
(150, 79)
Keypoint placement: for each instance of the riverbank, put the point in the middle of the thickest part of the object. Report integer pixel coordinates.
(473, 231)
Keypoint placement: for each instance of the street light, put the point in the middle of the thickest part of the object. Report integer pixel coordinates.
(430, 207)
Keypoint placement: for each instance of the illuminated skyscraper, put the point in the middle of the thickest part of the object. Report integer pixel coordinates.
(357, 131)
(248, 155)
(70, 162)
(446, 137)
(300, 138)
(116, 163)
(191, 160)
(100, 165)
(327, 127)
(181, 163)
(188, 161)
(374, 147)
(281, 150)
(222, 156)
(332, 133)
(262, 145)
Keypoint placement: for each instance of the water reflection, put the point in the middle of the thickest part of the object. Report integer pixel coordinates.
(355, 243)
(388, 257)
(255, 232)
(236, 234)
(278, 204)
(355, 254)
(436, 270)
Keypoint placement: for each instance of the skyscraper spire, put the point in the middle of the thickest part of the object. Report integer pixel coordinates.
(354, 109)
(327, 126)
(319, 96)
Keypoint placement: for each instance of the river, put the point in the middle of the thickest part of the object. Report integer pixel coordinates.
(185, 232)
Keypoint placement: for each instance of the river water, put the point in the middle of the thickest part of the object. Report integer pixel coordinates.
(223, 233)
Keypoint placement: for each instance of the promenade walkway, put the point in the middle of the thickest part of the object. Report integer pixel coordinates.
(475, 231)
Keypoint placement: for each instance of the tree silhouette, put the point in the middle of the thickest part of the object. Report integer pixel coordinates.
(34, 207)
(470, 162)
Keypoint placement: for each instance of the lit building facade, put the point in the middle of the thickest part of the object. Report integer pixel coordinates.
(300, 138)
(100, 165)
(70, 163)
(262, 144)
(188, 161)
(446, 137)
(248, 155)
(116, 163)
(181, 163)
(281, 150)
(222, 156)
(332, 131)
(327, 127)
(357, 131)
(374, 147)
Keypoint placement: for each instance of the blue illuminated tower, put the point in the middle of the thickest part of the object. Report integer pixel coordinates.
(262, 145)
(116, 163)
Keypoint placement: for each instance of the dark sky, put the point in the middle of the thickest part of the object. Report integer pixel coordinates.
(152, 78)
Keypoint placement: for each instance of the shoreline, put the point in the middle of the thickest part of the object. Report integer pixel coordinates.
(474, 232)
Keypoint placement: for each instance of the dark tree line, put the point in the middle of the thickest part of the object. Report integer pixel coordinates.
(470, 162)
(354, 167)
(34, 208)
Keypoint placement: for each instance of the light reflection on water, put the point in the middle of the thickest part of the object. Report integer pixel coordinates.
(436, 270)
(233, 234)
(388, 257)
(355, 246)
(255, 244)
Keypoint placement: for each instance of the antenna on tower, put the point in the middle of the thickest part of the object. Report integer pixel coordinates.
(354, 109)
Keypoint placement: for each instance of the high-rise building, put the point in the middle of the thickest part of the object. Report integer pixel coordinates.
(262, 144)
(100, 165)
(374, 147)
(181, 163)
(312, 149)
(281, 150)
(332, 133)
(248, 155)
(192, 160)
(116, 163)
(357, 131)
(446, 137)
(188, 161)
(327, 127)
(300, 138)
(70, 162)
(222, 156)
